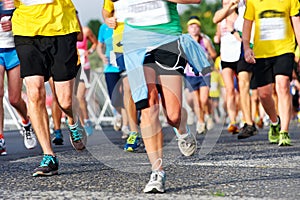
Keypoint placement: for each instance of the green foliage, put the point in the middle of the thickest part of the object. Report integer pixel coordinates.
(94, 26)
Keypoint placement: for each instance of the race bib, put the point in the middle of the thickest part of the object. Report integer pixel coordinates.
(35, 2)
(142, 12)
(272, 28)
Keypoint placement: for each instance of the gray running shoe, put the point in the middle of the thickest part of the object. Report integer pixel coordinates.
(30, 140)
(156, 183)
(187, 144)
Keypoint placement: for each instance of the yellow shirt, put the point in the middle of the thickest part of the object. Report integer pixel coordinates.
(297, 52)
(273, 29)
(52, 19)
(216, 83)
(118, 31)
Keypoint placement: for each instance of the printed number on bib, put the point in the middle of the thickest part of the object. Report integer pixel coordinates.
(272, 28)
(142, 12)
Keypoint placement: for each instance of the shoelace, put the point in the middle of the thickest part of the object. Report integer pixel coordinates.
(27, 131)
(46, 160)
(131, 138)
(75, 134)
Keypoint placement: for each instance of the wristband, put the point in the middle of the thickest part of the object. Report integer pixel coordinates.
(233, 31)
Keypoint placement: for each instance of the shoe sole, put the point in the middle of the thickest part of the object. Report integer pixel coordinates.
(40, 173)
(154, 190)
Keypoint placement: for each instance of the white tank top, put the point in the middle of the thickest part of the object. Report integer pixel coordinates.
(230, 47)
(6, 38)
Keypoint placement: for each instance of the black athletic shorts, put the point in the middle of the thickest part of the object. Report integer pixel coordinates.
(242, 66)
(48, 56)
(265, 69)
(231, 65)
(168, 59)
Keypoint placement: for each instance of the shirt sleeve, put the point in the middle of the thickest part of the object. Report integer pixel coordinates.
(250, 11)
(108, 5)
(295, 8)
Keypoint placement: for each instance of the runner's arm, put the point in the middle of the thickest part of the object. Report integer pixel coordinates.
(225, 11)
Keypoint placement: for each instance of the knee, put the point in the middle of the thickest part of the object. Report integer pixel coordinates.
(244, 85)
(174, 118)
(65, 103)
(36, 95)
(265, 95)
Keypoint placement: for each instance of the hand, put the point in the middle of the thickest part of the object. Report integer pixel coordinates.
(104, 60)
(249, 56)
(6, 25)
(111, 22)
(234, 4)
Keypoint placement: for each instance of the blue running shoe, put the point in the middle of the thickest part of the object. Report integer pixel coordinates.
(48, 166)
(77, 136)
(58, 140)
(89, 127)
(133, 142)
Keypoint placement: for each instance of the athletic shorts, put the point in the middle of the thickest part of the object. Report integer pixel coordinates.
(196, 82)
(114, 87)
(265, 69)
(87, 73)
(48, 56)
(231, 65)
(242, 65)
(120, 61)
(9, 58)
(167, 59)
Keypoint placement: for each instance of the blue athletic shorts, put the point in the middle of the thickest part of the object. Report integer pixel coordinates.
(9, 58)
(196, 82)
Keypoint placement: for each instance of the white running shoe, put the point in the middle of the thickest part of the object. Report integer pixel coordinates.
(30, 140)
(125, 132)
(156, 183)
(201, 129)
(118, 123)
(209, 123)
(2, 148)
(187, 143)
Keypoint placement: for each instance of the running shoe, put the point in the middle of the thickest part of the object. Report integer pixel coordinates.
(77, 136)
(118, 123)
(209, 123)
(186, 142)
(2, 147)
(125, 132)
(58, 140)
(247, 131)
(156, 183)
(233, 128)
(273, 134)
(284, 139)
(201, 129)
(133, 142)
(89, 127)
(30, 140)
(48, 166)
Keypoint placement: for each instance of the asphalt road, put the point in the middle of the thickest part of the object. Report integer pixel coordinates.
(223, 168)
